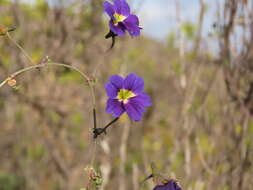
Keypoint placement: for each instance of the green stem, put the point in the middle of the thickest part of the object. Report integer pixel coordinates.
(42, 65)
(15, 74)
(4, 82)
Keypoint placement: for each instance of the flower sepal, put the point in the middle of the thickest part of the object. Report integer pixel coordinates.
(112, 35)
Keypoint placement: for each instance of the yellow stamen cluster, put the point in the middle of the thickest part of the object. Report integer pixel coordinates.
(118, 18)
(124, 95)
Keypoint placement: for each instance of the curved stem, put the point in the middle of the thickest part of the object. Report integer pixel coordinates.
(15, 74)
(42, 65)
(84, 76)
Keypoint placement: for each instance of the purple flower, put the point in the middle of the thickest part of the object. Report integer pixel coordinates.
(126, 95)
(121, 19)
(171, 185)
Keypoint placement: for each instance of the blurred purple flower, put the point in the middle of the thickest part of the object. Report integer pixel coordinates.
(121, 19)
(126, 95)
(171, 185)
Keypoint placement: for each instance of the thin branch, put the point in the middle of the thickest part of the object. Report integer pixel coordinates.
(22, 50)
(15, 74)
(84, 76)
(87, 79)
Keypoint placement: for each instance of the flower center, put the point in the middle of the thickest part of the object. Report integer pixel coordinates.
(124, 95)
(118, 18)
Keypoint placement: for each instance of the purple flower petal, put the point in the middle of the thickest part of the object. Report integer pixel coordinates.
(111, 90)
(114, 107)
(122, 7)
(133, 19)
(134, 110)
(132, 25)
(143, 99)
(134, 83)
(118, 29)
(172, 185)
(117, 81)
(108, 8)
(133, 30)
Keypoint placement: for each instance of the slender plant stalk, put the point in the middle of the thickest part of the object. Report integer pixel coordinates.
(19, 47)
(84, 76)
(109, 124)
(94, 119)
(13, 75)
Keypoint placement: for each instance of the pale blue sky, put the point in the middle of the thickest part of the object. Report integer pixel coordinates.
(158, 17)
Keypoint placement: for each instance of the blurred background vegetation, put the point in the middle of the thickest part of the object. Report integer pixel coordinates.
(199, 129)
